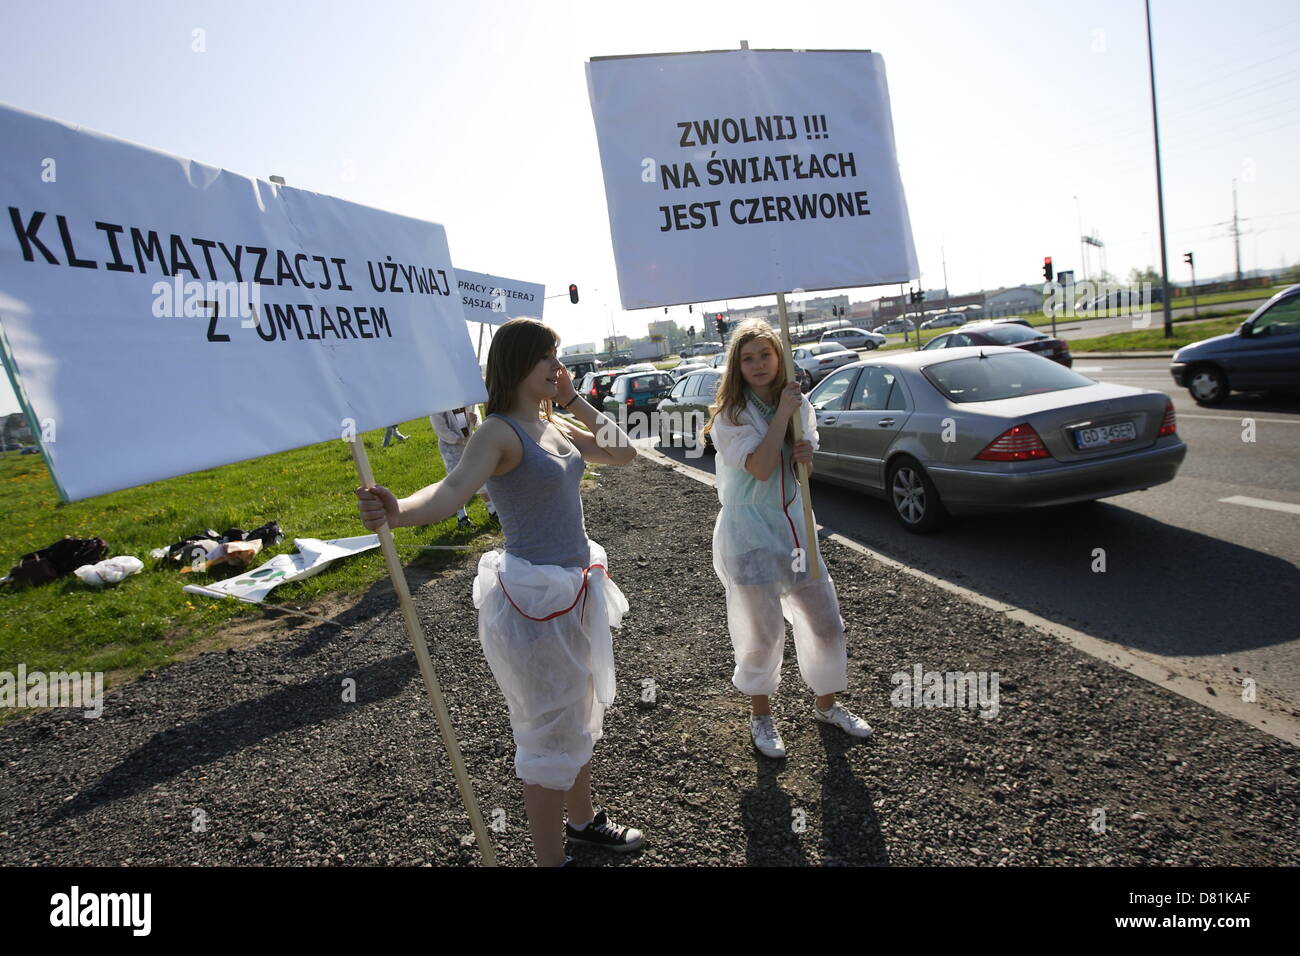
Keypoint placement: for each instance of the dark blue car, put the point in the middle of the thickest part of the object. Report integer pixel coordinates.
(1262, 355)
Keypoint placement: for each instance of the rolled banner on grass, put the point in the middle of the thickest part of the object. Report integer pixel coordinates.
(313, 557)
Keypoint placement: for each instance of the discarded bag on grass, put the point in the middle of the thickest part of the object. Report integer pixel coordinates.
(57, 559)
(109, 571)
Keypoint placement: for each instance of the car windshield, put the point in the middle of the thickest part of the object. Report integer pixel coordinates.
(991, 378)
(1007, 334)
(824, 347)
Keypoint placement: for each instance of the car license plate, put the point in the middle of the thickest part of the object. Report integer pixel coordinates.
(1103, 435)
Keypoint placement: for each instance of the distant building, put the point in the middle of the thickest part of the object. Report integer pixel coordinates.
(1019, 300)
(581, 349)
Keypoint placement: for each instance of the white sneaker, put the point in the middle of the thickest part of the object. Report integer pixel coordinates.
(845, 719)
(766, 737)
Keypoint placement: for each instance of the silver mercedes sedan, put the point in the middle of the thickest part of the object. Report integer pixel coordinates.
(980, 429)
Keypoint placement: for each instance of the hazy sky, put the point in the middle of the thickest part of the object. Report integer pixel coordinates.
(475, 115)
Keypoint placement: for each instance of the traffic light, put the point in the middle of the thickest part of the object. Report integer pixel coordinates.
(1047, 268)
(918, 295)
(1187, 257)
(722, 326)
(573, 294)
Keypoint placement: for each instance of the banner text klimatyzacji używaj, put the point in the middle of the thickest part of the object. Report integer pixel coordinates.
(161, 317)
(747, 172)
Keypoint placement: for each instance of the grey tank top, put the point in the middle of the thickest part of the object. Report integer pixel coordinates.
(540, 505)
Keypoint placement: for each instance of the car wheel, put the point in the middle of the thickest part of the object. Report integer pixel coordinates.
(871, 346)
(914, 498)
(1207, 385)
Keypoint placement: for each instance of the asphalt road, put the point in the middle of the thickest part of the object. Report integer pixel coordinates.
(1209, 587)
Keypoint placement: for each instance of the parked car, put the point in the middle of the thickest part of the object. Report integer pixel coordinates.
(579, 370)
(1003, 333)
(947, 320)
(895, 325)
(597, 385)
(1263, 354)
(685, 410)
(821, 359)
(677, 371)
(1010, 320)
(639, 392)
(718, 360)
(707, 348)
(852, 338)
(987, 428)
(642, 367)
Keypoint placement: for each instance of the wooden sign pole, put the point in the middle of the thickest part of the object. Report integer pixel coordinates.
(416, 634)
(801, 470)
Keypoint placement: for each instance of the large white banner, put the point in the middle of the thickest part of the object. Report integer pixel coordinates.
(161, 316)
(496, 300)
(747, 172)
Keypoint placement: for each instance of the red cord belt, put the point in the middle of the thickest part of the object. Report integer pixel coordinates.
(582, 593)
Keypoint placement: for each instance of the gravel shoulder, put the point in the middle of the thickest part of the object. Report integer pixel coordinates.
(253, 756)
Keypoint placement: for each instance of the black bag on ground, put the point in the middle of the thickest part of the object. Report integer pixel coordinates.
(60, 558)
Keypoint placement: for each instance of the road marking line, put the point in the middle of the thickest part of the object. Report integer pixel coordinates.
(1263, 503)
(1148, 667)
(1226, 418)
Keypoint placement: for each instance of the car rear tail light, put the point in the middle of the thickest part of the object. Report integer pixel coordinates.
(1018, 443)
(629, 402)
(593, 391)
(1169, 426)
(826, 361)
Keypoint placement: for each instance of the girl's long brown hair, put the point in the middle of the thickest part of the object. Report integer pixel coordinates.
(516, 349)
(731, 394)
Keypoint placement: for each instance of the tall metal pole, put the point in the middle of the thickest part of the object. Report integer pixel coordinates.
(1236, 232)
(1083, 246)
(1160, 186)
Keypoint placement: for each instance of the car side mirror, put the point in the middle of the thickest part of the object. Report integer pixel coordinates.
(1244, 330)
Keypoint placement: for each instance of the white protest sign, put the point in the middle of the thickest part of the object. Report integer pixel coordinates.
(748, 172)
(313, 557)
(161, 317)
(495, 300)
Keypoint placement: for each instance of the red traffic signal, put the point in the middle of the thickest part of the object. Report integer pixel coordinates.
(1047, 268)
(573, 294)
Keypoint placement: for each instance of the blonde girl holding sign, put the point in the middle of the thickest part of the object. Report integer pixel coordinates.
(759, 551)
(546, 604)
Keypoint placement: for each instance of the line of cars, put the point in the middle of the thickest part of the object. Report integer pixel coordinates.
(992, 418)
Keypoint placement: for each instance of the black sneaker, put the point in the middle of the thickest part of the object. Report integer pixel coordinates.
(604, 833)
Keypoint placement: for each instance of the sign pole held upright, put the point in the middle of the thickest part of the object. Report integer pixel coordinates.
(416, 633)
(802, 470)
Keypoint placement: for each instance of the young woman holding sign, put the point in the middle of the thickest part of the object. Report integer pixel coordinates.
(758, 547)
(546, 605)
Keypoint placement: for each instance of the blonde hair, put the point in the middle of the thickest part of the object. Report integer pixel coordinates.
(731, 394)
(516, 348)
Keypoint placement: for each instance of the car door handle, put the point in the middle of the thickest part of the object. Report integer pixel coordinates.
(886, 421)
(827, 421)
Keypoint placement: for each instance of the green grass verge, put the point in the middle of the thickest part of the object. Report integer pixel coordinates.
(147, 620)
(1154, 338)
